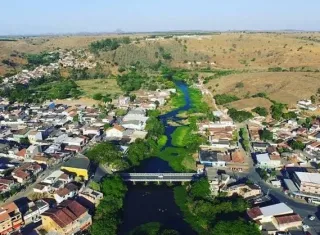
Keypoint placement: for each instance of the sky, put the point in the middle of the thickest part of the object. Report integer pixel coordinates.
(18, 17)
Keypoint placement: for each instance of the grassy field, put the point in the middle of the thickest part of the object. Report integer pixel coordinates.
(177, 157)
(103, 86)
(285, 87)
(179, 135)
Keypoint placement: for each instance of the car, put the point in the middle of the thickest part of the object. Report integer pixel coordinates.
(311, 217)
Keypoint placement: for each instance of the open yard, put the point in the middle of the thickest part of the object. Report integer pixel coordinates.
(103, 86)
(285, 87)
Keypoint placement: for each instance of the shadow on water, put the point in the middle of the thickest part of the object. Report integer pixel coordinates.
(155, 203)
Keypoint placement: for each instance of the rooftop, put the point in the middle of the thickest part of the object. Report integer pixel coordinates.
(307, 177)
(276, 209)
(285, 219)
(78, 162)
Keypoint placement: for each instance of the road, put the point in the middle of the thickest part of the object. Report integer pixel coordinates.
(301, 208)
(29, 189)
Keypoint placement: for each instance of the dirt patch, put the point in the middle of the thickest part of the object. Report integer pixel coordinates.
(251, 103)
(80, 101)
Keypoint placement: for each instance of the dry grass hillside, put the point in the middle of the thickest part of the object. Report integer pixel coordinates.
(286, 87)
(260, 51)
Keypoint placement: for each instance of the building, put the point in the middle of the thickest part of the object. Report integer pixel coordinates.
(35, 210)
(277, 217)
(69, 217)
(307, 182)
(92, 196)
(115, 132)
(212, 158)
(10, 218)
(264, 161)
(246, 191)
(260, 146)
(78, 165)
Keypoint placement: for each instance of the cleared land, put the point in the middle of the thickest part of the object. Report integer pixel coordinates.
(251, 103)
(286, 87)
(103, 86)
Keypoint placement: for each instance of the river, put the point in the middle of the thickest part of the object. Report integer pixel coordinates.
(155, 203)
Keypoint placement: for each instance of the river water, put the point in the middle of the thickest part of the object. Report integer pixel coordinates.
(155, 203)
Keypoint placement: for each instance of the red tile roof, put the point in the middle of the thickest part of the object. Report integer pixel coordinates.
(254, 212)
(67, 212)
(285, 219)
(62, 192)
(22, 153)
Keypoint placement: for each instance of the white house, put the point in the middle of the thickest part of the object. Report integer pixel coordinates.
(264, 161)
(91, 130)
(134, 124)
(115, 132)
(63, 194)
(35, 210)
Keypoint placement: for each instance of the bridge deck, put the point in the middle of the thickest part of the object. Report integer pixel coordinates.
(167, 177)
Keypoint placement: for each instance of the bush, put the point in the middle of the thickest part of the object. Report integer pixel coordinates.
(275, 69)
(260, 94)
(239, 116)
(261, 111)
(239, 85)
(225, 98)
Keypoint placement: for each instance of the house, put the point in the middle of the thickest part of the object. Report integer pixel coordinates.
(272, 151)
(123, 101)
(63, 194)
(279, 216)
(266, 161)
(32, 151)
(115, 132)
(307, 182)
(260, 146)
(10, 218)
(220, 144)
(244, 190)
(91, 196)
(134, 124)
(78, 165)
(90, 130)
(34, 136)
(216, 180)
(41, 188)
(211, 158)
(69, 217)
(53, 177)
(6, 184)
(35, 210)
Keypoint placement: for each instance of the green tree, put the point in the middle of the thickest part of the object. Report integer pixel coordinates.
(97, 96)
(104, 153)
(200, 189)
(297, 145)
(237, 227)
(154, 127)
(262, 111)
(266, 135)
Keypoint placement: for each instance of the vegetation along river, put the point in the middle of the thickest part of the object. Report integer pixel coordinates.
(155, 203)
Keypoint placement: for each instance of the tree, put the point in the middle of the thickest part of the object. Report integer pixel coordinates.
(137, 152)
(266, 134)
(154, 127)
(297, 145)
(76, 118)
(200, 189)
(239, 227)
(262, 111)
(313, 99)
(97, 96)
(104, 153)
(239, 116)
(277, 110)
(107, 215)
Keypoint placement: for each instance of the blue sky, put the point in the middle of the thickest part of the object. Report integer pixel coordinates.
(72, 16)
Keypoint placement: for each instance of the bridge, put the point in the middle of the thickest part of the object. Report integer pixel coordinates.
(159, 177)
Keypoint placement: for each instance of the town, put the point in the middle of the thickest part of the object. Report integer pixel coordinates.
(273, 165)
